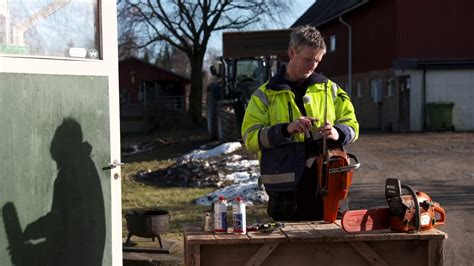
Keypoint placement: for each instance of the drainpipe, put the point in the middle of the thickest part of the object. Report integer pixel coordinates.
(423, 99)
(349, 61)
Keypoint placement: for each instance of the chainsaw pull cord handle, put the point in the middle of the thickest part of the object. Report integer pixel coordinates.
(417, 207)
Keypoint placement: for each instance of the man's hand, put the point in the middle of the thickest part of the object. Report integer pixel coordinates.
(300, 125)
(329, 132)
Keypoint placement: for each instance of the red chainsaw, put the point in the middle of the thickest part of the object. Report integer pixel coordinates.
(410, 212)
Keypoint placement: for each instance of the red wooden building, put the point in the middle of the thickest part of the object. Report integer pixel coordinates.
(398, 57)
(147, 92)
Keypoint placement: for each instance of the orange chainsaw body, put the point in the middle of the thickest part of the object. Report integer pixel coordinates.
(401, 215)
(335, 182)
(428, 211)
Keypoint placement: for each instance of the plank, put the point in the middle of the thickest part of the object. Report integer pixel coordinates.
(301, 232)
(432, 234)
(231, 239)
(274, 237)
(262, 253)
(372, 236)
(403, 236)
(331, 232)
(367, 253)
(197, 238)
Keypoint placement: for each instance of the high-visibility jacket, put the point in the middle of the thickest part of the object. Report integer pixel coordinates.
(272, 106)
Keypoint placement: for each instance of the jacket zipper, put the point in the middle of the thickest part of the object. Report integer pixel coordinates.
(290, 112)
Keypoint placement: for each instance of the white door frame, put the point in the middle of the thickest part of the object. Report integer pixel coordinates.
(108, 67)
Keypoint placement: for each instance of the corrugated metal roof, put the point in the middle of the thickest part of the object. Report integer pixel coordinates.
(325, 10)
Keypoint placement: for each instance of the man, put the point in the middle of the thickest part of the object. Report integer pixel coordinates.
(284, 124)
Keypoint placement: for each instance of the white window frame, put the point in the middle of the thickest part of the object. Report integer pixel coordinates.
(390, 86)
(359, 93)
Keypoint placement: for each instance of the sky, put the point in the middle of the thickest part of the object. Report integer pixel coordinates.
(298, 8)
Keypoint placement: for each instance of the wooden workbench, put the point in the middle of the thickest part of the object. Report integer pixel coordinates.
(313, 243)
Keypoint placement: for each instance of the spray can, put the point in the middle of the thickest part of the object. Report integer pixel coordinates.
(220, 215)
(208, 221)
(239, 216)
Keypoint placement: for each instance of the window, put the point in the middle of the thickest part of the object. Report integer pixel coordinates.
(390, 86)
(376, 90)
(359, 89)
(252, 69)
(51, 28)
(332, 43)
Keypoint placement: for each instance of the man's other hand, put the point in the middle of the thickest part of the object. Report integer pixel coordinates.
(300, 125)
(329, 132)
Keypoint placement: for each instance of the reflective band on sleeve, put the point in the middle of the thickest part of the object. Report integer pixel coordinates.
(264, 137)
(352, 134)
(278, 178)
(254, 127)
(262, 96)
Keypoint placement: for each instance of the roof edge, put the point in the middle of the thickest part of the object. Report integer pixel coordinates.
(157, 67)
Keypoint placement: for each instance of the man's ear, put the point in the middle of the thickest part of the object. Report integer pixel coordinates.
(291, 52)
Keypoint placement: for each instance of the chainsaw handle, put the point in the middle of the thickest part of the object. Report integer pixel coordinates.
(347, 168)
(441, 212)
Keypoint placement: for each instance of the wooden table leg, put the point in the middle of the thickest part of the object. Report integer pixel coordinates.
(435, 252)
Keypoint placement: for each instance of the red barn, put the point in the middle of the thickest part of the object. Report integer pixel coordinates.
(147, 92)
(400, 60)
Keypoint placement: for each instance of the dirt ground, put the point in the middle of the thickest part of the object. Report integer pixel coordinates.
(440, 164)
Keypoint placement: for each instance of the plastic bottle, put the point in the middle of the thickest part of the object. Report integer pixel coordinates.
(220, 215)
(239, 216)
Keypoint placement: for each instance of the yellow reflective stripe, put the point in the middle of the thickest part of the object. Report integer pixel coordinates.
(264, 137)
(278, 178)
(254, 127)
(262, 96)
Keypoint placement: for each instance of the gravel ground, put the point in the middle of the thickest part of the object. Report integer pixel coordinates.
(440, 164)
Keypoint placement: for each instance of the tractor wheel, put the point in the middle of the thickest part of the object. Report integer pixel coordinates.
(226, 123)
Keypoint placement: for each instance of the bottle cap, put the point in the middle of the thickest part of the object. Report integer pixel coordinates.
(238, 199)
(221, 198)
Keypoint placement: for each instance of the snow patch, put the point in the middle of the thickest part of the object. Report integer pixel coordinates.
(225, 148)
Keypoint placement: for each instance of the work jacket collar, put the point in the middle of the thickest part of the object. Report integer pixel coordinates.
(279, 82)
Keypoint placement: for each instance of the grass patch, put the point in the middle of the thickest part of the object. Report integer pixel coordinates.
(178, 201)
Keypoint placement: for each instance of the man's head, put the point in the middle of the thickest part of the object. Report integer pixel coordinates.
(306, 50)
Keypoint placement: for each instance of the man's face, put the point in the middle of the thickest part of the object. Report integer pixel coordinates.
(304, 62)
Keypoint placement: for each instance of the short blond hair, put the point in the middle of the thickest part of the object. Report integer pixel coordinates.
(306, 35)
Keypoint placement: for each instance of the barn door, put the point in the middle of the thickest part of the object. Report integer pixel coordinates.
(404, 103)
(59, 128)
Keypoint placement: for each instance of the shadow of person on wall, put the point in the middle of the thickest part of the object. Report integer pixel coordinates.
(73, 232)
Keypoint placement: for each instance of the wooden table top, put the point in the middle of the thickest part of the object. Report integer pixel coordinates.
(317, 231)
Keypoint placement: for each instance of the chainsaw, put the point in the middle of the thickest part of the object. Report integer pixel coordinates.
(410, 212)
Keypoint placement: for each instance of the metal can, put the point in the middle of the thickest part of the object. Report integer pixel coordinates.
(220, 215)
(208, 221)
(239, 216)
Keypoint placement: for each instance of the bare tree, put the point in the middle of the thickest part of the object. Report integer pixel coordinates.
(188, 24)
